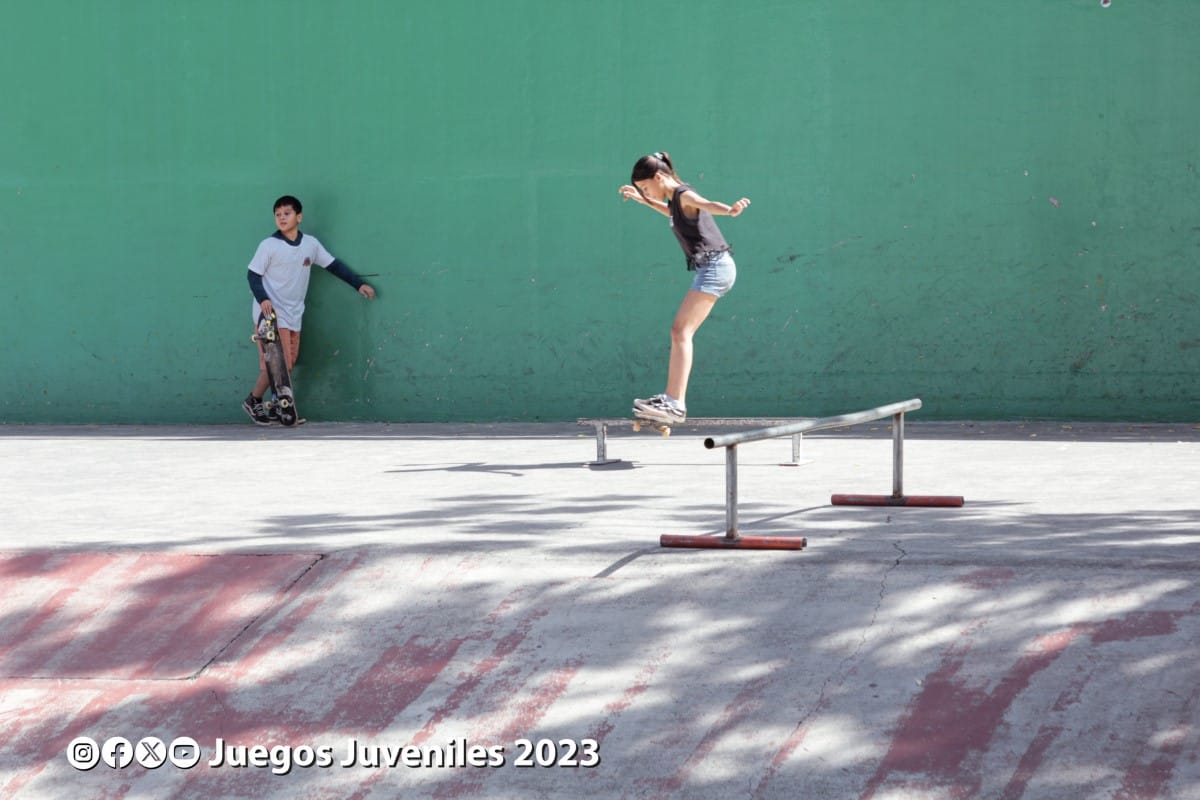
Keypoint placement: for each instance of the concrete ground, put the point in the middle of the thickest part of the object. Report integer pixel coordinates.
(471, 596)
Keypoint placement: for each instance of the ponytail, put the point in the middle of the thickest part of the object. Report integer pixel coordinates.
(648, 166)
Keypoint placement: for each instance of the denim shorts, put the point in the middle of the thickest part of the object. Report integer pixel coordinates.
(716, 276)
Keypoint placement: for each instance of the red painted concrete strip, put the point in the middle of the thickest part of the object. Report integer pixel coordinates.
(1149, 779)
(37, 738)
(744, 705)
(987, 578)
(529, 713)
(25, 564)
(1136, 625)
(614, 709)
(142, 608)
(314, 586)
(787, 749)
(207, 708)
(1030, 762)
(949, 724)
(40, 738)
(469, 682)
(396, 679)
(71, 572)
(245, 588)
(1032, 759)
(150, 615)
(67, 629)
(523, 723)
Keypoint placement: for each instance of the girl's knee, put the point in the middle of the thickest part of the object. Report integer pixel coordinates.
(682, 334)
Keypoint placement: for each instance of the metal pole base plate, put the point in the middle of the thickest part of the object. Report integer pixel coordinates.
(933, 501)
(739, 543)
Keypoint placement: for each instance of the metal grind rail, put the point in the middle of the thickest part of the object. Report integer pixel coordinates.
(732, 539)
(601, 426)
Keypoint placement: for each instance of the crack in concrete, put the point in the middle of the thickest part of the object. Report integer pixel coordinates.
(839, 674)
(875, 612)
(843, 670)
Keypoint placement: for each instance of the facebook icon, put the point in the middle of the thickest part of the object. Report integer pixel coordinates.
(117, 752)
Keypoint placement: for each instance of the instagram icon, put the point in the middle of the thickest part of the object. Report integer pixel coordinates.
(83, 753)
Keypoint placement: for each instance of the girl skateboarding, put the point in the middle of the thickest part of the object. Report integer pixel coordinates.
(657, 186)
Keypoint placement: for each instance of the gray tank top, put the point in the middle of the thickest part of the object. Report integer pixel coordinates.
(700, 238)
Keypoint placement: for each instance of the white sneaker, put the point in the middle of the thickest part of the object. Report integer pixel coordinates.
(662, 409)
(657, 401)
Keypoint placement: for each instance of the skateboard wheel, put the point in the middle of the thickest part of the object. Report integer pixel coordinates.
(637, 426)
(666, 432)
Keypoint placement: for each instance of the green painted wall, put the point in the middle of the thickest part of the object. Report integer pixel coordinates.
(992, 205)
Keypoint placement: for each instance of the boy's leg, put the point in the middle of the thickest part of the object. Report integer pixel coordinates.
(262, 384)
(291, 346)
(694, 309)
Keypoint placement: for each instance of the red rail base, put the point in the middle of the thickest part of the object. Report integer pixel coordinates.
(739, 543)
(934, 501)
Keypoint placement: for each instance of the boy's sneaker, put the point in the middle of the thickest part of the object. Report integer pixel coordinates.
(254, 408)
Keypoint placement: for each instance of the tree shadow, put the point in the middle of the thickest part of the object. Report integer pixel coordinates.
(960, 650)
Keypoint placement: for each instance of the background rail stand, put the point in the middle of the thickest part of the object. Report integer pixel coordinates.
(601, 428)
(733, 540)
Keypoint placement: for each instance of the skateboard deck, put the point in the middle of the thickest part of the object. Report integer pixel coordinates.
(642, 420)
(277, 369)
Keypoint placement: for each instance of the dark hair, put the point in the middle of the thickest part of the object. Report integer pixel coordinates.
(648, 166)
(288, 200)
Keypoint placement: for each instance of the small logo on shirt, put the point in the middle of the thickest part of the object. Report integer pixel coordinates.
(308, 262)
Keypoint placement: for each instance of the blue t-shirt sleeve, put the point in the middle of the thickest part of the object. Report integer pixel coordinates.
(256, 285)
(345, 273)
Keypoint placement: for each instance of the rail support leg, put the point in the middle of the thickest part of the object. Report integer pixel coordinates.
(897, 497)
(898, 456)
(731, 493)
(732, 540)
(602, 446)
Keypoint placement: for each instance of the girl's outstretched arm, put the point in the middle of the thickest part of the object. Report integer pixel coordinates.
(631, 193)
(696, 203)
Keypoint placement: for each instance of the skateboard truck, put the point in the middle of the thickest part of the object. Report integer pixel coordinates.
(661, 427)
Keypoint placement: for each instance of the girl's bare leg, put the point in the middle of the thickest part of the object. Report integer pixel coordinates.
(692, 312)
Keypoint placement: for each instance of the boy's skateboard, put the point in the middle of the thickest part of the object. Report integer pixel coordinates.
(641, 420)
(277, 369)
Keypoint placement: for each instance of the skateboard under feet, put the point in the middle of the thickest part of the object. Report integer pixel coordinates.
(267, 337)
(640, 421)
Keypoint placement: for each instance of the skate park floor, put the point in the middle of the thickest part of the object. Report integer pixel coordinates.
(460, 611)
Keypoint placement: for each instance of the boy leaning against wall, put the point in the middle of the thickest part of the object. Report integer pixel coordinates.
(278, 276)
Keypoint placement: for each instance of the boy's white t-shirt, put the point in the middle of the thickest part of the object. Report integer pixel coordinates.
(285, 268)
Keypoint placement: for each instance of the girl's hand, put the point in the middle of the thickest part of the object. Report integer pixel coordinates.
(738, 207)
(366, 291)
(631, 193)
(267, 308)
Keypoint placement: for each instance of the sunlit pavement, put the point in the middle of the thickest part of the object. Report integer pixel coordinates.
(460, 611)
